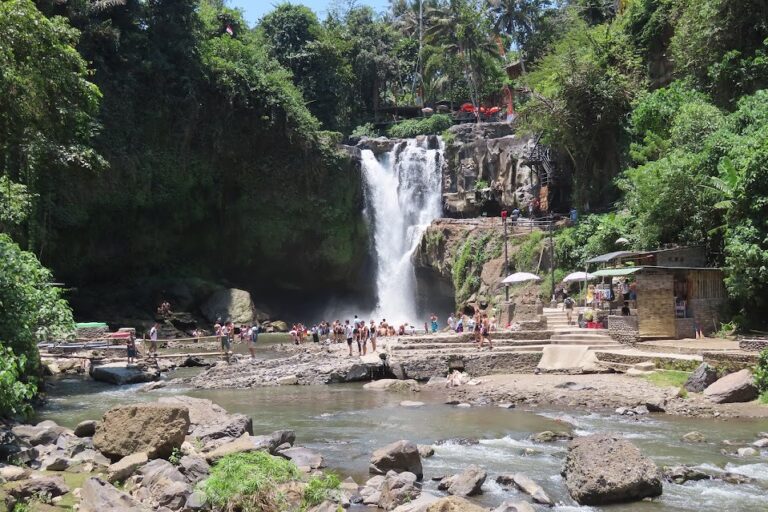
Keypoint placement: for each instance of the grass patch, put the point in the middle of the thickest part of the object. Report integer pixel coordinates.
(667, 378)
(320, 488)
(247, 481)
(764, 397)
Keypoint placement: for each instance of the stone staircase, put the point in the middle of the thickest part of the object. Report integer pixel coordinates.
(564, 334)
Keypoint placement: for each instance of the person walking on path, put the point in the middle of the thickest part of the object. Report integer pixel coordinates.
(153, 340)
(568, 304)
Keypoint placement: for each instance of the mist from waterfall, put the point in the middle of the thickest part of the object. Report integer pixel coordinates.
(402, 197)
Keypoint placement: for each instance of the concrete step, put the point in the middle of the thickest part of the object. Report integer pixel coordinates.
(580, 336)
(442, 346)
(595, 341)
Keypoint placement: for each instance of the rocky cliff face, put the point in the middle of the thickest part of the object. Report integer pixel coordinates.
(488, 168)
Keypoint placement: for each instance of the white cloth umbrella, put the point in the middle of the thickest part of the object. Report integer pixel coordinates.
(520, 277)
(578, 276)
(622, 241)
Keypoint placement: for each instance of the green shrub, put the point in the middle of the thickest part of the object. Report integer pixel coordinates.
(761, 372)
(365, 130)
(528, 251)
(175, 457)
(320, 488)
(247, 481)
(433, 125)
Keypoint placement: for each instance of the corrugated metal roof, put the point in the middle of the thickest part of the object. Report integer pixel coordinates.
(612, 272)
(606, 258)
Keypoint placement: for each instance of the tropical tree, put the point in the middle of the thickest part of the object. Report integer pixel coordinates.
(518, 20)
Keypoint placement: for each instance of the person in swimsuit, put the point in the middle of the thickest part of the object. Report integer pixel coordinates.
(374, 335)
(131, 347)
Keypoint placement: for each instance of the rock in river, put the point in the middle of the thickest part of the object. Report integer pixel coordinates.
(303, 457)
(392, 385)
(527, 485)
(602, 469)
(454, 504)
(735, 387)
(122, 373)
(399, 456)
(467, 483)
(210, 423)
(152, 428)
(398, 488)
(85, 428)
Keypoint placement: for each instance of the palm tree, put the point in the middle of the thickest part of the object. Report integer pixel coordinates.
(515, 18)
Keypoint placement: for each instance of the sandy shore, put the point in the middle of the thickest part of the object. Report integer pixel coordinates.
(596, 392)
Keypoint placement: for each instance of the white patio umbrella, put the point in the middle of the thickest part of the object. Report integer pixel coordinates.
(520, 277)
(622, 241)
(578, 276)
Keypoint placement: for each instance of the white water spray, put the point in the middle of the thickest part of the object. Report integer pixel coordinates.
(402, 197)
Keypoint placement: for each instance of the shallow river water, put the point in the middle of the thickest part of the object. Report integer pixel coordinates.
(346, 423)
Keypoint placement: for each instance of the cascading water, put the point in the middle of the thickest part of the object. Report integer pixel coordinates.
(402, 197)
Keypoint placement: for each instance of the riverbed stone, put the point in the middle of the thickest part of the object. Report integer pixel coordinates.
(701, 378)
(395, 385)
(549, 436)
(398, 488)
(10, 473)
(86, 428)
(121, 373)
(194, 468)
(420, 504)
(45, 432)
(303, 457)
(467, 483)
(694, 437)
(603, 468)
(411, 403)
(399, 456)
(126, 467)
(243, 444)
(96, 495)
(528, 486)
(167, 486)
(514, 506)
(426, 451)
(454, 504)
(211, 424)
(51, 486)
(746, 452)
(152, 428)
(681, 474)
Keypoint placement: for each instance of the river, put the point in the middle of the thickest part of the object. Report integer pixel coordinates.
(346, 423)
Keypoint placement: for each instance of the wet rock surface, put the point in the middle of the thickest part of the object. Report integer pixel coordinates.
(399, 456)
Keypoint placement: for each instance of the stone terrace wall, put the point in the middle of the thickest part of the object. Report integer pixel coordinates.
(753, 344)
(474, 364)
(624, 329)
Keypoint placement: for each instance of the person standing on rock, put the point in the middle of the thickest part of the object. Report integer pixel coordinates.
(433, 323)
(364, 336)
(131, 347)
(153, 339)
(253, 337)
(224, 337)
(374, 334)
(350, 332)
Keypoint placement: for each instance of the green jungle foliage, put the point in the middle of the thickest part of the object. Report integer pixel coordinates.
(433, 125)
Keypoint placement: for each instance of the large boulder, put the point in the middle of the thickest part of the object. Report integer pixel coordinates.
(735, 387)
(454, 504)
(229, 304)
(398, 456)
(121, 373)
(398, 488)
(51, 486)
(97, 495)
(603, 468)
(86, 428)
(467, 483)
(701, 378)
(152, 428)
(210, 423)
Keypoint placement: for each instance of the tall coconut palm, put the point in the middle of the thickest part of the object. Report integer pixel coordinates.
(517, 19)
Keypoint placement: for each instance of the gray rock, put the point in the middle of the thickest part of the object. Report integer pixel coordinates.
(97, 495)
(398, 488)
(682, 474)
(701, 378)
(549, 436)
(694, 437)
(358, 372)
(12, 473)
(735, 387)
(121, 373)
(746, 452)
(531, 488)
(454, 504)
(126, 467)
(467, 483)
(194, 468)
(514, 506)
(761, 443)
(303, 457)
(426, 451)
(85, 428)
(211, 423)
(165, 483)
(399, 456)
(196, 501)
(602, 469)
(42, 433)
(245, 443)
(392, 385)
(56, 461)
(51, 486)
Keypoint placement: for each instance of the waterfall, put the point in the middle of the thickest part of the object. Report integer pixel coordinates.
(402, 197)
